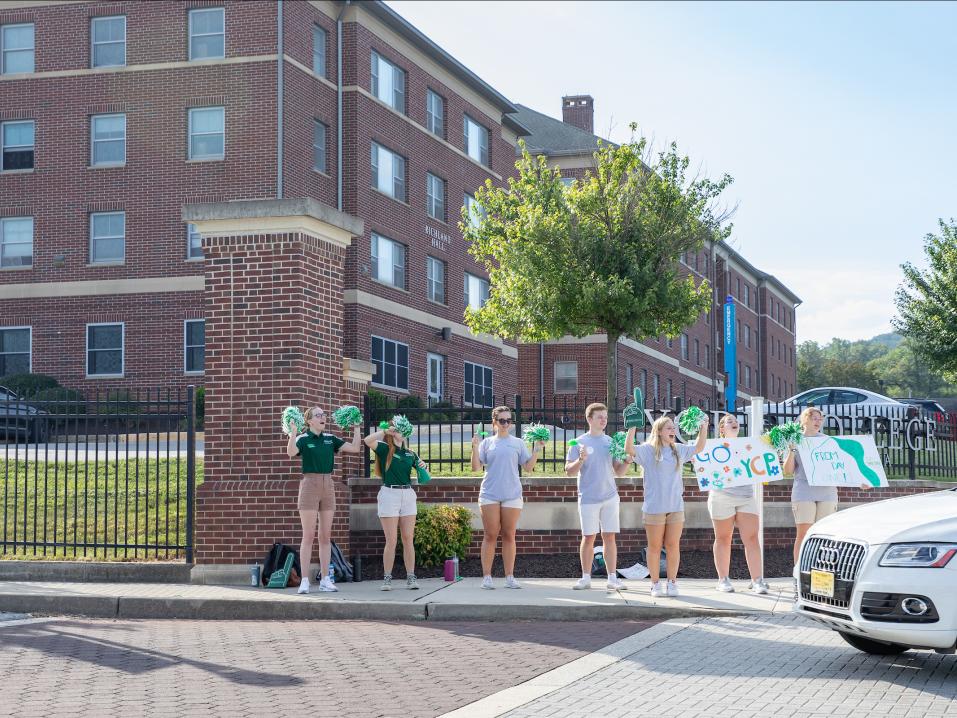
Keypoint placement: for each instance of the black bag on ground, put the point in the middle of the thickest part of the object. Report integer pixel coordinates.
(598, 566)
(662, 563)
(341, 567)
(276, 558)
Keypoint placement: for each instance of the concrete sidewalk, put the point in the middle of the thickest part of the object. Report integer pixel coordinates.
(540, 599)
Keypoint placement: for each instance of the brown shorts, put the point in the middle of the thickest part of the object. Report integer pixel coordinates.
(673, 517)
(317, 492)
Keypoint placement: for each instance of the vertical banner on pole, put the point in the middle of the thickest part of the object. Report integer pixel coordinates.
(730, 356)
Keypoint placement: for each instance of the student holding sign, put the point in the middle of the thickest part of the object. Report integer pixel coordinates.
(730, 506)
(661, 459)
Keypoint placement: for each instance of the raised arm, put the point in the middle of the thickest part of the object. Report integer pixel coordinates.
(476, 464)
(789, 462)
(630, 442)
(573, 467)
(530, 464)
(702, 436)
(374, 438)
(356, 444)
(291, 449)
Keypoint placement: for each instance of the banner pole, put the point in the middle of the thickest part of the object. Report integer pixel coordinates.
(755, 427)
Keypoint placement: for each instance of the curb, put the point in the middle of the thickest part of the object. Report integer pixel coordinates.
(96, 572)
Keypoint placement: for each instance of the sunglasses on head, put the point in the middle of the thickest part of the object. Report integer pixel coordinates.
(504, 421)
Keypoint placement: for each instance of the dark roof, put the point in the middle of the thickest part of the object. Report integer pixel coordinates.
(548, 136)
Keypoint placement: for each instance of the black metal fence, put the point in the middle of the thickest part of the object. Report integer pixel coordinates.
(109, 477)
(911, 443)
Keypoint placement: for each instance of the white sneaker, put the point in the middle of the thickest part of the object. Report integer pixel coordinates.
(411, 583)
(510, 582)
(327, 586)
(724, 585)
(304, 586)
(759, 587)
(387, 582)
(615, 584)
(487, 583)
(657, 589)
(583, 584)
(672, 589)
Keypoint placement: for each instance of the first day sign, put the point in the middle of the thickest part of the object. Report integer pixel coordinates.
(841, 461)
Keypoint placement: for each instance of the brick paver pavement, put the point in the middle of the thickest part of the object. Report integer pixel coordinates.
(759, 666)
(79, 667)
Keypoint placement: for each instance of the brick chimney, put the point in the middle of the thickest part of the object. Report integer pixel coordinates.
(579, 110)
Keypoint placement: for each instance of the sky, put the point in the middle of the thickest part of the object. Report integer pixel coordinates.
(837, 121)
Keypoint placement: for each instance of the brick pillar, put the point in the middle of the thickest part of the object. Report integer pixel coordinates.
(274, 312)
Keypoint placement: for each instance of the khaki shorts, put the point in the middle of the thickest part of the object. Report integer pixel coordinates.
(317, 492)
(808, 512)
(721, 506)
(673, 517)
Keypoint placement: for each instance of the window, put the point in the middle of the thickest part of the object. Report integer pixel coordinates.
(747, 336)
(567, 181)
(16, 243)
(435, 381)
(15, 350)
(473, 210)
(388, 82)
(207, 33)
(476, 141)
(16, 48)
(104, 350)
(17, 145)
(629, 378)
(738, 294)
(747, 377)
(566, 377)
(739, 330)
(747, 295)
(684, 347)
(435, 196)
(194, 242)
(319, 38)
(697, 352)
(656, 381)
(194, 346)
(478, 385)
(668, 390)
(391, 360)
(435, 279)
(108, 40)
(435, 113)
(476, 291)
(107, 237)
(771, 345)
(207, 133)
(388, 261)
(318, 146)
(107, 140)
(669, 342)
(388, 172)
(644, 383)
(707, 356)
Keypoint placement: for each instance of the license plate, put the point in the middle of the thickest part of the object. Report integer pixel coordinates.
(822, 583)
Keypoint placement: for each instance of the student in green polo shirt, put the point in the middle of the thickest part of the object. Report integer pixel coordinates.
(394, 464)
(317, 491)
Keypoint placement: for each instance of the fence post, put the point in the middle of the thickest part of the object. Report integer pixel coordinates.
(367, 415)
(754, 432)
(911, 456)
(190, 468)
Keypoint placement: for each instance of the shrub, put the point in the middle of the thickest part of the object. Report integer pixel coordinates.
(440, 416)
(377, 400)
(409, 402)
(441, 531)
(63, 400)
(27, 385)
(117, 402)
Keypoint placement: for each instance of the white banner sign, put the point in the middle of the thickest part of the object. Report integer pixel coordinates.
(841, 461)
(726, 463)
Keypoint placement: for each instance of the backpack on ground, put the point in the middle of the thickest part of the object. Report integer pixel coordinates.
(276, 561)
(341, 567)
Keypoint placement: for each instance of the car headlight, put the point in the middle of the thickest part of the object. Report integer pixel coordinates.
(918, 555)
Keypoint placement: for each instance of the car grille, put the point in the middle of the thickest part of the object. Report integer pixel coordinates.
(842, 558)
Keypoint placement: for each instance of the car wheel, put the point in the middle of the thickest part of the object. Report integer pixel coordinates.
(873, 647)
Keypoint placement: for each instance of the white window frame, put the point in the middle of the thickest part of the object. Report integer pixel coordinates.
(4, 146)
(93, 140)
(435, 123)
(29, 350)
(190, 134)
(94, 43)
(379, 87)
(122, 326)
(482, 152)
(685, 349)
(93, 239)
(319, 31)
(375, 254)
(481, 281)
(379, 379)
(396, 189)
(438, 374)
(431, 281)
(316, 124)
(491, 386)
(189, 242)
(434, 205)
(474, 211)
(555, 377)
(193, 12)
(3, 232)
(669, 390)
(187, 346)
(5, 50)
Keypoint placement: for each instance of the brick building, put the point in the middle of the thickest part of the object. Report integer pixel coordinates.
(116, 114)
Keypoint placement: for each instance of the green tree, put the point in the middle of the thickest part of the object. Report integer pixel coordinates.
(927, 302)
(905, 373)
(600, 255)
(810, 366)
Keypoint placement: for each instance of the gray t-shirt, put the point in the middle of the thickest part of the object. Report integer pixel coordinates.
(596, 478)
(663, 483)
(738, 492)
(801, 490)
(502, 458)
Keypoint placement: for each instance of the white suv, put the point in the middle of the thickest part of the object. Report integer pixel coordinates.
(884, 575)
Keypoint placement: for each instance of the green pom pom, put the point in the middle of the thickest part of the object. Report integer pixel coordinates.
(690, 420)
(785, 436)
(618, 447)
(537, 432)
(402, 425)
(292, 414)
(383, 425)
(347, 416)
(573, 442)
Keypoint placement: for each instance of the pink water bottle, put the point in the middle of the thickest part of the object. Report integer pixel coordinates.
(450, 570)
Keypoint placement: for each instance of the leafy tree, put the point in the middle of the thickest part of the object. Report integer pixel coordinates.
(905, 373)
(927, 302)
(600, 255)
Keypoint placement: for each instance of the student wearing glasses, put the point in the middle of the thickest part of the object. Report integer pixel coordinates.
(317, 491)
(500, 496)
